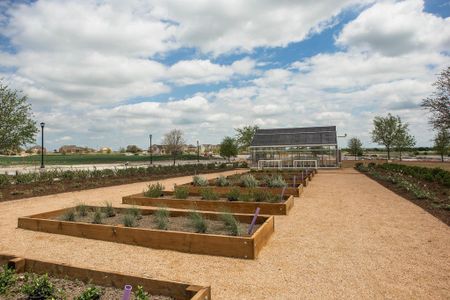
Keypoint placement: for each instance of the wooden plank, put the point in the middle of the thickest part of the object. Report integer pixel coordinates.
(224, 190)
(263, 234)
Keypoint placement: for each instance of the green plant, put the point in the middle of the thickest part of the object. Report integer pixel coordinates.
(162, 218)
(38, 287)
(7, 278)
(109, 210)
(262, 195)
(181, 192)
(82, 209)
(198, 222)
(140, 294)
(247, 197)
(208, 194)
(234, 194)
(199, 181)
(276, 181)
(98, 217)
(248, 181)
(135, 212)
(91, 293)
(69, 215)
(154, 190)
(129, 220)
(231, 223)
(222, 181)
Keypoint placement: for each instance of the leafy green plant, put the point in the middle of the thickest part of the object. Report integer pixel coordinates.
(98, 217)
(69, 215)
(140, 294)
(199, 181)
(262, 195)
(234, 194)
(82, 209)
(7, 278)
(91, 293)
(154, 190)
(181, 192)
(208, 194)
(222, 181)
(37, 287)
(162, 218)
(231, 223)
(198, 222)
(135, 212)
(276, 181)
(109, 210)
(129, 220)
(249, 181)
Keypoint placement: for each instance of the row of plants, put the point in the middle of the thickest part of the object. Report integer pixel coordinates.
(437, 175)
(35, 286)
(81, 175)
(246, 180)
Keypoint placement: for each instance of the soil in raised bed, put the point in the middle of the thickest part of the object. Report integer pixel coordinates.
(179, 223)
(70, 289)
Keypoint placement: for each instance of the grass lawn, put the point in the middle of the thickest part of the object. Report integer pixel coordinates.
(77, 159)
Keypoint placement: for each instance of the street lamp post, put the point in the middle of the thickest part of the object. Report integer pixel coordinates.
(198, 152)
(42, 145)
(151, 150)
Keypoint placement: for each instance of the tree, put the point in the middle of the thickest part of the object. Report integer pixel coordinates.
(244, 136)
(386, 131)
(355, 147)
(403, 140)
(133, 149)
(16, 126)
(442, 143)
(174, 142)
(228, 148)
(439, 102)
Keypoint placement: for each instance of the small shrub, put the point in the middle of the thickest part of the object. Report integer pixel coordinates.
(231, 223)
(82, 209)
(7, 278)
(91, 293)
(135, 212)
(162, 218)
(261, 195)
(109, 210)
(38, 287)
(140, 294)
(154, 190)
(248, 181)
(129, 220)
(222, 181)
(247, 197)
(199, 181)
(276, 181)
(98, 217)
(233, 194)
(198, 222)
(208, 194)
(371, 165)
(181, 192)
(69, 215)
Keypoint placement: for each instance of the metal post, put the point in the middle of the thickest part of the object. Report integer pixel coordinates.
(151, 150)
(42, 145)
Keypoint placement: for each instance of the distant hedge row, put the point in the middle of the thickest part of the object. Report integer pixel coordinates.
(77, 175)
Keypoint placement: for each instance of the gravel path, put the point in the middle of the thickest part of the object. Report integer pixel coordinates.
(346, 237)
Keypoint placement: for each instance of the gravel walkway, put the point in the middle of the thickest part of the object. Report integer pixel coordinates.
(346, 237)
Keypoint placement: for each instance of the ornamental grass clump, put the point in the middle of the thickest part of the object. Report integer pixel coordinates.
(198, 222)
(234, 194)
(199, 181)
(231, 223)
(98, 217)
(129, 220)
(82, 210)
(109, 210)
(261, 195)
(135, 212)
(154, 190)
(69, 215)
(276, 181)
(222, 181)
(162, 218)
(208, 194)
(181, 192)
(7, 279)
(248, 181)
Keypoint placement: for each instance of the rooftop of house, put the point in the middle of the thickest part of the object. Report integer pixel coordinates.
(301, 136)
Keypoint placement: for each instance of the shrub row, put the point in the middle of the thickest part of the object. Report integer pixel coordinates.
(437, 175)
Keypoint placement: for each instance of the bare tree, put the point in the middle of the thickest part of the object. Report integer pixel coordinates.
(174, 142)
(439, 102)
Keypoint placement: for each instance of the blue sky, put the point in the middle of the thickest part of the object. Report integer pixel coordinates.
(109, 73)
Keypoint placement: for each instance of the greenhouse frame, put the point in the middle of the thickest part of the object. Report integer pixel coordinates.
(305, 147)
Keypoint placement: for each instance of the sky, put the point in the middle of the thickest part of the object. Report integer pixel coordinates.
(111, 72)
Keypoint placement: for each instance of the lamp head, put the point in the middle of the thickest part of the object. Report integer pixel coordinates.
(42, 124)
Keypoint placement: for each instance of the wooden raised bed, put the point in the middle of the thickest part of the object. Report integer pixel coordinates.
(224, 190)
(243, 207)
(176, 290)
(199, 243)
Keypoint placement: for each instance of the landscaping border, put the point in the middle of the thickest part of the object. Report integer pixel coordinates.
(176, 290)
(242, 207)
(199, 243)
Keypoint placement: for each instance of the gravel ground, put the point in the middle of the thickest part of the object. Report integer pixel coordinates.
(346, 237)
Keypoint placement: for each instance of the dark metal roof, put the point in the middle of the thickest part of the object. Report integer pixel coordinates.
(325, 135)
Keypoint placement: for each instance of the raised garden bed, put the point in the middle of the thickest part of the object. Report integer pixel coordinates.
(74, 281)
(224, 190)
(222, 204)
(180, 236)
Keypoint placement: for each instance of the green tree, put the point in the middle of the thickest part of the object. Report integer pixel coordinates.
(403, 141)
(355, 147)
(228, 148)
(439, 102)
(244, 136)
(386, 131)
(133, 149)
(174, 142)
(442, 143)
(16, 125)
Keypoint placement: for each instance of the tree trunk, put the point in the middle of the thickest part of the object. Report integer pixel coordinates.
(442, 156)
(389, 153)
(400, 155)
(174, 158)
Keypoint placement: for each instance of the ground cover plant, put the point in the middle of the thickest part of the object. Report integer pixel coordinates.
(199, 181)
(181, 192)
(154, 190)
(208, 193)
(426, 187)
